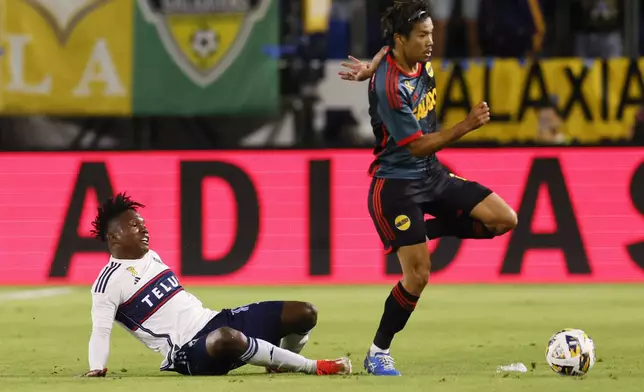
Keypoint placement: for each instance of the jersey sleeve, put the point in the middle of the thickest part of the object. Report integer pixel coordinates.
(394, 108)
(104, 306)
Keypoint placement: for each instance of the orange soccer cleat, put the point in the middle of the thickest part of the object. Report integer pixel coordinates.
(334, 366)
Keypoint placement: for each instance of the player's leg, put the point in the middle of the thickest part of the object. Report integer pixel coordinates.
(285, 325)
(298, 320)
(399, 306)
(399, 222)
(468, 209)
(229, 343)
(495, 214)
(227, 348)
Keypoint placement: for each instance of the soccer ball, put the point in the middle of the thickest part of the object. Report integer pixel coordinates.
(205, 43)
(571, 352)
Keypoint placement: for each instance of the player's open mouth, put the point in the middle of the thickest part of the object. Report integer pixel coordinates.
(146, 239)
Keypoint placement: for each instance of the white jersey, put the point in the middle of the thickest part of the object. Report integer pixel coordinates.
(143, 296)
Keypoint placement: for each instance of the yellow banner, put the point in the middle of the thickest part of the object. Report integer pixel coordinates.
(316, 16)
(593, 100)
(66, 57)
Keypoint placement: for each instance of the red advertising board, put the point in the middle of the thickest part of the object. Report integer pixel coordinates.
(300, 217)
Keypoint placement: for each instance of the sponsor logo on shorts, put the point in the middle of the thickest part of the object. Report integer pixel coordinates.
(402, 222)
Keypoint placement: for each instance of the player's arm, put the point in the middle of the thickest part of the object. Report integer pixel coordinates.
(358, 71)
(395, 110)
(104, 308)
(397, 114)
(433, 142)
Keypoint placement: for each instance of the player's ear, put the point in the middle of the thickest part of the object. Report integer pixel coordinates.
(114, 233)
(111, 237)
(398, 38)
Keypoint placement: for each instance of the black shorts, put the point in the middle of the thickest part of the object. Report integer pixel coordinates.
(398, 207)
(262, 320)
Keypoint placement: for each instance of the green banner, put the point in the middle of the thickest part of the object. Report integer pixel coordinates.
(141, 57)
(205, 57)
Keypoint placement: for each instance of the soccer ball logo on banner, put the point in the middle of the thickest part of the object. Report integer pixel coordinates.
(204, 37)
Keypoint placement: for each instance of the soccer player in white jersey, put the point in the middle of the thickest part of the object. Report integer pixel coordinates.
(144, 296)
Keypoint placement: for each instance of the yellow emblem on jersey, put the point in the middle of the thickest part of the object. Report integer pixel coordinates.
(430, 70)
(402, 222)
(132, 271)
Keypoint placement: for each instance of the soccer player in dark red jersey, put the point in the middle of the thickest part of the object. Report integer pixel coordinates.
(408, 180)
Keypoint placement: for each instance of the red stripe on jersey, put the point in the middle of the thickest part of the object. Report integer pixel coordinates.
(393, 81)
(391, 92)
(373, 169)
(410, 138)
(385, 137)
(398, 100)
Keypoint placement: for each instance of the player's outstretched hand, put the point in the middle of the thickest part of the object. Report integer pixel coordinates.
(359, 71)
(479, 116)
(96, 373)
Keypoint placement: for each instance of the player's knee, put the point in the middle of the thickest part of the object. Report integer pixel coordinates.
(298, 317)
(416, 265)
(226, 341)
(506, 222)
(422, 276)
(417, 279)
(308, 316)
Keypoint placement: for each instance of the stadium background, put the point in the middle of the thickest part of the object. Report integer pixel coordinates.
(251, 154)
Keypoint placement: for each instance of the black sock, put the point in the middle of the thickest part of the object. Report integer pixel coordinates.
(398, 307)
(463, 227)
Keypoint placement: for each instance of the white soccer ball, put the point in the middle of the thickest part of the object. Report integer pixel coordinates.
(571, 352)
(205, 42)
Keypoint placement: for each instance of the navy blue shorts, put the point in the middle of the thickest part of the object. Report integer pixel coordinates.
(262, 320)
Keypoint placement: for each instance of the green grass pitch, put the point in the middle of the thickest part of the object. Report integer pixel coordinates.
(454, 341)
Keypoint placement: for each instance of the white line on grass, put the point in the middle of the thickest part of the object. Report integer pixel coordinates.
(33, 294)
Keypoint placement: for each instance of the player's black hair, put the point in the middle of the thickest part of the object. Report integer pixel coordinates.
(110, 209)
(401, 17)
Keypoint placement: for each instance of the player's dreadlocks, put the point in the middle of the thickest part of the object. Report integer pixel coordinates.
(112, 208)
(401, 17)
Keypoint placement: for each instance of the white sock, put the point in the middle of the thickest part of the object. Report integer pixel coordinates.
(375, 349)
(294, 342)
(265, 354)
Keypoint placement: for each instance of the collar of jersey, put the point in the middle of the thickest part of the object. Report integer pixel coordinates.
(393, 63)
(128, 260)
